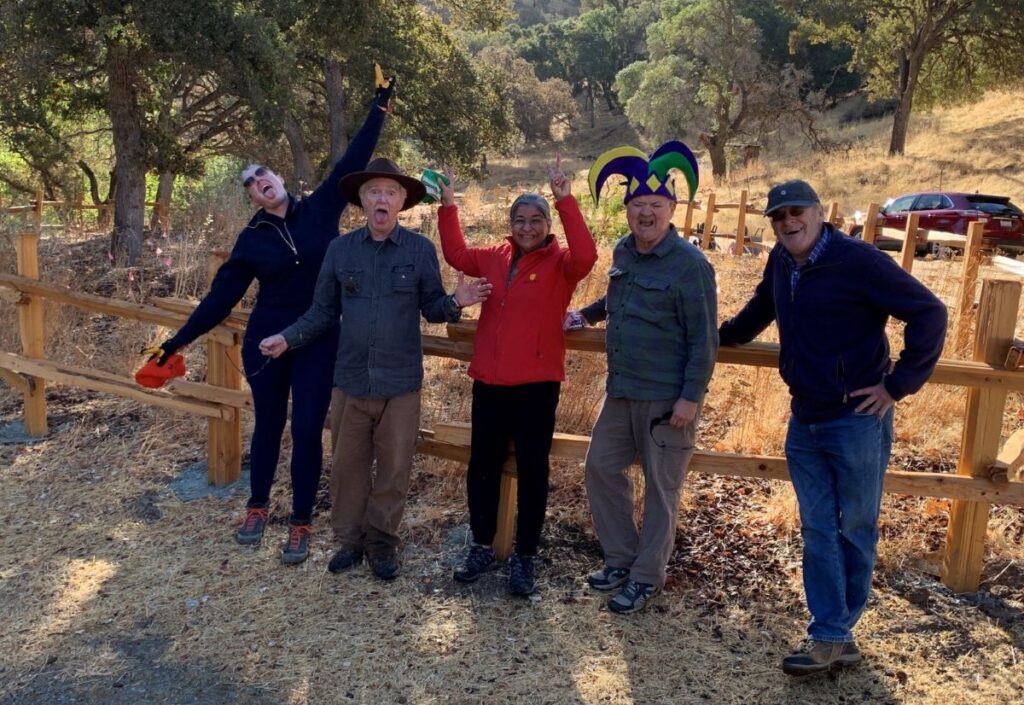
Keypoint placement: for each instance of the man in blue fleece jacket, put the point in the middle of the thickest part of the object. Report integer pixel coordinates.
(282, 247)
(831, 296)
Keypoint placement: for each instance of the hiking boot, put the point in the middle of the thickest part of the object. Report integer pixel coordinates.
(480, 560)
(520, 575)
(633, 597)
(608, 578)
(251, 529)
(344, 559)
(814, 656)
(385, 565)
(296, 548)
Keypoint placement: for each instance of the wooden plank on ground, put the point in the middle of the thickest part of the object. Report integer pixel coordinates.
(100, 381)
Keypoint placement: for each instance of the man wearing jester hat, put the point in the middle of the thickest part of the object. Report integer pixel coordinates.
(661, 340)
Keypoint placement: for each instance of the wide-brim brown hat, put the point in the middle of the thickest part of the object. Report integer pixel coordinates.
(382, 168)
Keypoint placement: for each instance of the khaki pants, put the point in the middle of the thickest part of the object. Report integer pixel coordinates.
(367, 506)
(622, 433)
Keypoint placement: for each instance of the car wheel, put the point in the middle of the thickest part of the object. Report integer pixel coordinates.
(857, 232)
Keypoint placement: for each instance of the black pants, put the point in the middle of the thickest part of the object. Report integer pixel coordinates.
(524, 414)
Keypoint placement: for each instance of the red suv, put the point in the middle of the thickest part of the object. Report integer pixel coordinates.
(951, 212)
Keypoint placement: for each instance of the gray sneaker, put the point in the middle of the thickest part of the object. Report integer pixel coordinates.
(633, 597)
(608, 578)
(816, 656)
(251, 529)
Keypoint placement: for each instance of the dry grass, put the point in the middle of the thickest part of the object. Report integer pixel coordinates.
(116, 591)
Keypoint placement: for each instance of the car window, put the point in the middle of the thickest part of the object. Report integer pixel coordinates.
(931, 202)
(902, 203)
(994, 205)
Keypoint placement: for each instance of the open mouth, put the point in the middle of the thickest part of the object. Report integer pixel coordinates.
(267, 189)
(646, 222)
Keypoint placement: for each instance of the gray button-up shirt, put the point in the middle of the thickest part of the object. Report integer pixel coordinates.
(662, 312)
(379, 289)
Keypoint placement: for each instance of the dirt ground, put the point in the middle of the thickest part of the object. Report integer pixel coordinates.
(115, 591)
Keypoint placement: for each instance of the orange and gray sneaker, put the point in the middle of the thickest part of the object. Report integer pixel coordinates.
(251, 529)
(296, 548)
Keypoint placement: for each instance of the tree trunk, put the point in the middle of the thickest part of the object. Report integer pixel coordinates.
(130, 169)
(300, 157)
(716, 150)
(909, 67)
(159, 220)
(334, 85)
(591, 108)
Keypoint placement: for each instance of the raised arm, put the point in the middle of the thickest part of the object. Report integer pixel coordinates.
(358, 154)
(580, 242)
(453, 244)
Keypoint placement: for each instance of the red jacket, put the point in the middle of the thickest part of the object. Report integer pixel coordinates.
(519, 337)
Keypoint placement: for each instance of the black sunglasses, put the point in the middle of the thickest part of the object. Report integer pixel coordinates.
(260, 171)
(794, 212)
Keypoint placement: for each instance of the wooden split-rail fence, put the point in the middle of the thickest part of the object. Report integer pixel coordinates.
(985, 474)
(105, 211)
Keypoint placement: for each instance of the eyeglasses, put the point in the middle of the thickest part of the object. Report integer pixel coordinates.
(534, 223)
(260, 171)
(781, 214)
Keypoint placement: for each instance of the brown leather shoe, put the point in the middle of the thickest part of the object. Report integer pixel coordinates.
(816, 656)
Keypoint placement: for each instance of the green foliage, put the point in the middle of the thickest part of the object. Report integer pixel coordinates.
(536, 104)
(705, 78)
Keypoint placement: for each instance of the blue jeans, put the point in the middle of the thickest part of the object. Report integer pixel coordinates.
(837, 469)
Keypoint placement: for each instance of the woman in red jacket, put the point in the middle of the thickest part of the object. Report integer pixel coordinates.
(518, 362)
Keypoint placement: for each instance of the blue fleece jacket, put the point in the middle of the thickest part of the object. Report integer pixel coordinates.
(262, 252)
(832, 326)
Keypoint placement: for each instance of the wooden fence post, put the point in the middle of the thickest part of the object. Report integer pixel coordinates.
(688, 221)
(968, 282)
(506, 511)
(223, 369)
(833, 212)
(979, 446)
(741, 225)
(870, 224)
(709, 221)
(30, 327)
(909, 243)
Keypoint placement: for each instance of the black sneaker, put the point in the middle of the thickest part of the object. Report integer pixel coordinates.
(608, 578)
(385, 565)
(815, 656)
(520, 575)
(480, 560)
(345, 559)
(251, 529)
(633, 597)
(296, 548)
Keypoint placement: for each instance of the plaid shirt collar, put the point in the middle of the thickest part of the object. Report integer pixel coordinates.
(816, 251)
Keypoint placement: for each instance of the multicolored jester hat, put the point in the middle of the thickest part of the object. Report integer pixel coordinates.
(645, 177)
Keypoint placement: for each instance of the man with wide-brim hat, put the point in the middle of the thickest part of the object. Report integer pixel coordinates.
(378, 279)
